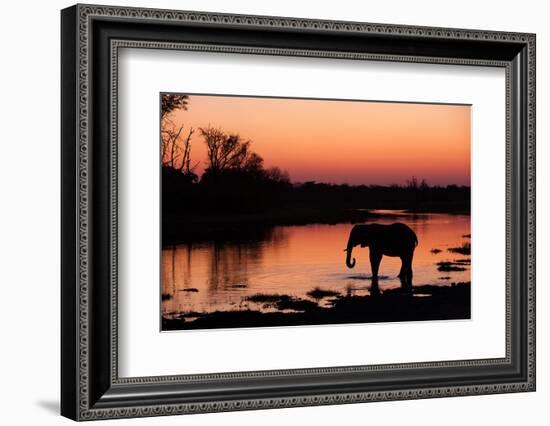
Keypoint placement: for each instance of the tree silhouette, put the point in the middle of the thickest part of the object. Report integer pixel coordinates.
(227, 152)
(175, 145)
(414, 185)
(176, 148)
(275, 174)
(173, 102)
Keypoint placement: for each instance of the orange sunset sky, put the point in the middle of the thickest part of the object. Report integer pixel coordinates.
(354, 142)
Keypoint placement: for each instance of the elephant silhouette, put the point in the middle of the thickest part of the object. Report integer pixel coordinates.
(395, 240)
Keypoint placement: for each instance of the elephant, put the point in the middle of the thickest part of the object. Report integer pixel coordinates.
(395, 240)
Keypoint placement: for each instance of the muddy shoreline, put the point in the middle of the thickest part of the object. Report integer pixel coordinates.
(426, 303)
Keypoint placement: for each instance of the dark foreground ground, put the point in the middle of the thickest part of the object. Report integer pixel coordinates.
(427, 302)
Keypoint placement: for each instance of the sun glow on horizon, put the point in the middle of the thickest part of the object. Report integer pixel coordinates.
(335, 141)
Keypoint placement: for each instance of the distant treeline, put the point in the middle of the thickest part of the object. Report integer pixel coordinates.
(249, 192)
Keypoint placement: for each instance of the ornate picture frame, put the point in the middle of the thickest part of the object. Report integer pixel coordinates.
(91, 39)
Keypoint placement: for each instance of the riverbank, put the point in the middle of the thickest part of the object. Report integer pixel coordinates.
(427, 302)
(255, 226)
(235, 227)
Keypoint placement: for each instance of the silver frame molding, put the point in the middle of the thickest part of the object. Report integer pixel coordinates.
(91, 39)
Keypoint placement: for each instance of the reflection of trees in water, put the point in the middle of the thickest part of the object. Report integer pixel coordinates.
(178, 270)
(229, 265)
(187, 270)
(420, 223)
(446, 224)
(173, 270)
(230, 261)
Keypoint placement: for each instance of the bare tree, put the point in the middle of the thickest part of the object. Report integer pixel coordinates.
(185, 166)
(275, 174)
(176, 147)
(252, 163)
(173, 102)
(229, 152)
(413, 183)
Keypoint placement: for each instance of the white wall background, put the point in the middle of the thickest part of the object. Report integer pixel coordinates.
(29, 217)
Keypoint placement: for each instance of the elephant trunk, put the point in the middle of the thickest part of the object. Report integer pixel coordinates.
(349, 262)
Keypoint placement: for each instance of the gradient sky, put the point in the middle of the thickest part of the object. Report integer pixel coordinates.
(342, 141)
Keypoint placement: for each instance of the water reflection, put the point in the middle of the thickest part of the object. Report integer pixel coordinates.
(294, 260)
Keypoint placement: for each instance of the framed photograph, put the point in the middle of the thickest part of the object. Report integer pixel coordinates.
(263, 212)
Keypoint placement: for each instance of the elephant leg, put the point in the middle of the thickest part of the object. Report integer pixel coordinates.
(411, 270)
(402, 271)
(410, 277)
(375, 259)
(406, 273)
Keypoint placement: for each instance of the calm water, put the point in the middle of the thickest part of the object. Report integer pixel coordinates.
(294, 260)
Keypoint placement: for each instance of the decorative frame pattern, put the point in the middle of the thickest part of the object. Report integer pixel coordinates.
(111, 396)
